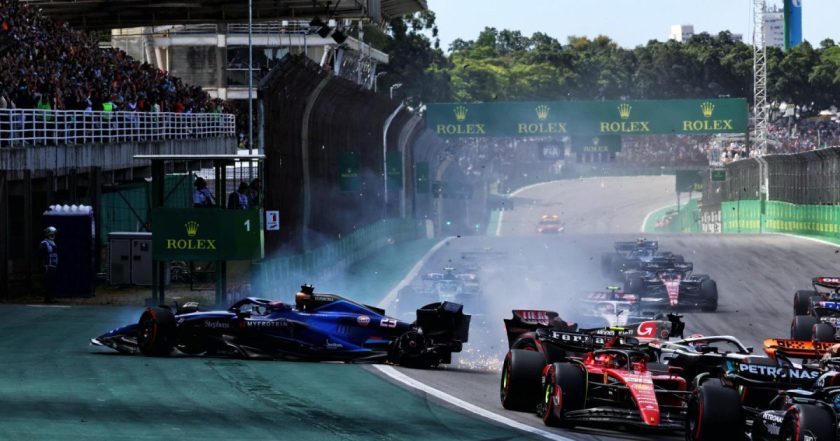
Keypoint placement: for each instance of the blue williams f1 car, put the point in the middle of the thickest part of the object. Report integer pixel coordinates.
(319, 327)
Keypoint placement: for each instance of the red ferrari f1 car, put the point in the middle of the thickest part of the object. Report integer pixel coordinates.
(594, 376)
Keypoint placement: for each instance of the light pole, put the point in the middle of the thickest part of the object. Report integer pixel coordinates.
(250, 85)
(395, 86)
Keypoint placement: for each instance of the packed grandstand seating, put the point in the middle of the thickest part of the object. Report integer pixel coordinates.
(48, 65)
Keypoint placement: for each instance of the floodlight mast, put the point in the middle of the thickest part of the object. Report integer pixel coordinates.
(760, 109)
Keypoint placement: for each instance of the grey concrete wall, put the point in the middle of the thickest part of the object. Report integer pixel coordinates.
(114, 156)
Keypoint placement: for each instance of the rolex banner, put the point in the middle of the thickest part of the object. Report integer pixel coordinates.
(588, 118)
(206, 234)
(596, 144)
(793, 23)
(348, 172)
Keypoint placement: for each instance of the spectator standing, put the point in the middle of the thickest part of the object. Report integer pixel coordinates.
(238, 200)
(48, 252)
(202, 197)
(254, 194)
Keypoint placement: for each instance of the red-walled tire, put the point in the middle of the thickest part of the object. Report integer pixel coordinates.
(156, 332)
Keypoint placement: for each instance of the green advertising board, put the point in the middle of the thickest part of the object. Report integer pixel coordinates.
(588, 118)
(689, 180)
(349, 178)
(596, 144)
(206, 234)
(718, 174)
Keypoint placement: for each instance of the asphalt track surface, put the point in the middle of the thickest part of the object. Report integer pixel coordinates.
(756, 277)
(54, 386)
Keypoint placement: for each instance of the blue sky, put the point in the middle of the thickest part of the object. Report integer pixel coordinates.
(629, 22)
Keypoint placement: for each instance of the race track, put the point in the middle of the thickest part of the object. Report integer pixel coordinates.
(756, 277)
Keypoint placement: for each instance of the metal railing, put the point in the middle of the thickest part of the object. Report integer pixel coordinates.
(52, 127)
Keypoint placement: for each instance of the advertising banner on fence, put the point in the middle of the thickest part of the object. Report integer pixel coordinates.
(596, 144)
(588, 118)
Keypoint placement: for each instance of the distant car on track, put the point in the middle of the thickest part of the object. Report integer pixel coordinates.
(550, 224)
(612, 308)
(630, 255)
(669, 284)
(451, 285)
(319, 327)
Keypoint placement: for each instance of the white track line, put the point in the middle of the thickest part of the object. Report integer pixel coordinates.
(516, 192)
(644, 222)
(412, 274)
(408, 381)
(48, 306)
(812, 239)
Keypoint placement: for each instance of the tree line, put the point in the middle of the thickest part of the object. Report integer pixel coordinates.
(507, 65)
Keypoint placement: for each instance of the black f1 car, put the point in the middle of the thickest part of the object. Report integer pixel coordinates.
(763, 399)
(672, 285)
(318, 327)
(817, 312)
(631, 255)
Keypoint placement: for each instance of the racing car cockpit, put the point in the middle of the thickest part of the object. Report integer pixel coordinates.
(631, 360)
(251, 306)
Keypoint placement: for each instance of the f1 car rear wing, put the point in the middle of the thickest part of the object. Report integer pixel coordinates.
(832, 283)
(663, 264)
(624, 247)
(808, 350)
(528, 320)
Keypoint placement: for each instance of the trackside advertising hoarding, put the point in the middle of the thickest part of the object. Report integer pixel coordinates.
(588, 118)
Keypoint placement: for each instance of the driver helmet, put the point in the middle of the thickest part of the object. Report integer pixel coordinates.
(50, 231)
(697, 345)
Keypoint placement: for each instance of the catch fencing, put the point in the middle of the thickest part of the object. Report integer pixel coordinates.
(22, 127)
(803, 194)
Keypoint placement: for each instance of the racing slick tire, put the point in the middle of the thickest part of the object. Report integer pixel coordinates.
(802, 327)
(410, 351)
(634, 285)
(709, 293)
(156, 332)
(808, 422)
(520, 385)
(564, 390)
(823, 332)
(802, 301)
(714, 413)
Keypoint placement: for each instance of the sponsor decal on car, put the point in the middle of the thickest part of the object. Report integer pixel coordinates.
(773, 371)
(215, 324)
(281, 323)
(388, 323)
(363, 320)
(647, 329)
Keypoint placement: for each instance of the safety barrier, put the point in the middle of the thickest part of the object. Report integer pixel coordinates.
(781, 217)
(282, 275)
(52, 127)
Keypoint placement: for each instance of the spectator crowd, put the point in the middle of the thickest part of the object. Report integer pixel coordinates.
(47, 65)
